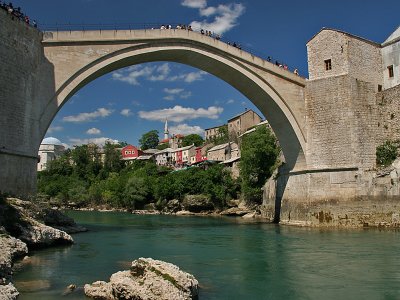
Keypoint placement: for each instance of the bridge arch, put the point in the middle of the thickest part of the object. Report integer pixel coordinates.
(263, 86)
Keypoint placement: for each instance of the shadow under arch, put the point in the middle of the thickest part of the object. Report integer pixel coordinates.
(222, 65)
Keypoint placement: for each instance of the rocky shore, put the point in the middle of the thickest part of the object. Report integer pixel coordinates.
(147, 279)
(25, 225)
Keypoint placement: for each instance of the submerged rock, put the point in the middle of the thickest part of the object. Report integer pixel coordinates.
(147, 279)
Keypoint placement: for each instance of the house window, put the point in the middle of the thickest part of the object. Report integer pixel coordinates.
(379, 88)
(391, 73)
(328, 64)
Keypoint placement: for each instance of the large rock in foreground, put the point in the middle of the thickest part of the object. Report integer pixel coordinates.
(148, 279)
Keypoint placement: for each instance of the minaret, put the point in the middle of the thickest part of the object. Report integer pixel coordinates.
(166, 132)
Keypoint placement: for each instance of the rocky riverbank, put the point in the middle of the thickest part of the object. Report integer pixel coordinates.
(146, 279)
(25, 225)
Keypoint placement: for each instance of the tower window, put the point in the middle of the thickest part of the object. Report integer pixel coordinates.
(328, 64)
(391, 73)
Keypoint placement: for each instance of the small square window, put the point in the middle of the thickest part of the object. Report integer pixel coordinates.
(328, 65)
(391, 73)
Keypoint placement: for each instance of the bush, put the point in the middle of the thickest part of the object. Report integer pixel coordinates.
(386, 153)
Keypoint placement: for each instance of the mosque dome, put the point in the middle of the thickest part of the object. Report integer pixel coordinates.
(51, 141)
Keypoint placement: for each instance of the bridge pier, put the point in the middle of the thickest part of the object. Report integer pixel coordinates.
(18, 174)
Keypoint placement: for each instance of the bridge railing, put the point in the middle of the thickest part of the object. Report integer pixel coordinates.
(142, 26)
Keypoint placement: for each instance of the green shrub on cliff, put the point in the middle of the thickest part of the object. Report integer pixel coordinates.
(386, 153)
(259, 157)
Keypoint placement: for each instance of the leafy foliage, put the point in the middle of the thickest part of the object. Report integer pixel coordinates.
(386, 153)
(259, 154)
(149, 140)
(68, 179)
(191, 139)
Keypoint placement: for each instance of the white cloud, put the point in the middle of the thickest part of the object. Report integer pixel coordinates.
(132, 75)
(88, 117)
(189, 77)
(180, 114)
(93, 131)
(126, 112)
(230, 101)
(225, 16)
(173, 91)
(160, 73)
(54, 129)
(186, 129)
(98, 141)
(177, 92)
(194, 3)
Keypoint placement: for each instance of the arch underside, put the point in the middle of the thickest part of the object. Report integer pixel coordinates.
(236, 73)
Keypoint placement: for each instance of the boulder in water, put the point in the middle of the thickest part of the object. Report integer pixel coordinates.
(147, 279)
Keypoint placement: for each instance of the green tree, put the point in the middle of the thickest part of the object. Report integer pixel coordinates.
(259, 158)
(135, 192)
(162, 146)
(112, 158)
(149, 140)
(191, 139)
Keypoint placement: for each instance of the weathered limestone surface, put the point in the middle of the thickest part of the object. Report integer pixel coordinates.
(197, 203)
(147, 279)
(10, 249)
(19, 219)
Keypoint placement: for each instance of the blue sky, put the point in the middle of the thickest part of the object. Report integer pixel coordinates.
(124, 104)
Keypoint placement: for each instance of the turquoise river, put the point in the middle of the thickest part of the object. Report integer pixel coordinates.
(232, 259)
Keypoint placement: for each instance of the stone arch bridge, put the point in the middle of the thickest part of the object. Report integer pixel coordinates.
(41, 71)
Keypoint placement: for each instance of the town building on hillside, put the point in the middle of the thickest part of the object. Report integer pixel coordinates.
(265, 123)
(130, 153)
(176, 141)
(164, 157)
(199, 156)
(213, 132)
(50, 149)
(241, 122)
(223, 152)
(182, 156)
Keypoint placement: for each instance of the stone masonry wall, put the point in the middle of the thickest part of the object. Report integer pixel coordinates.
(22, 61)
(341, 123)
(349, 55)
(328, 44)
(388, 122)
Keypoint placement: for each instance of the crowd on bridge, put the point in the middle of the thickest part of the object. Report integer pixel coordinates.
(15, 12)
(218, 37)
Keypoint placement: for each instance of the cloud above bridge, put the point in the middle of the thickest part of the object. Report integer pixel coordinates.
(180, 114)
(126, 112)
(131, 75)
(89, 116)
(218, 19)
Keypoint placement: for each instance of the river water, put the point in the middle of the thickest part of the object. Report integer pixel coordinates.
(232, 259)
